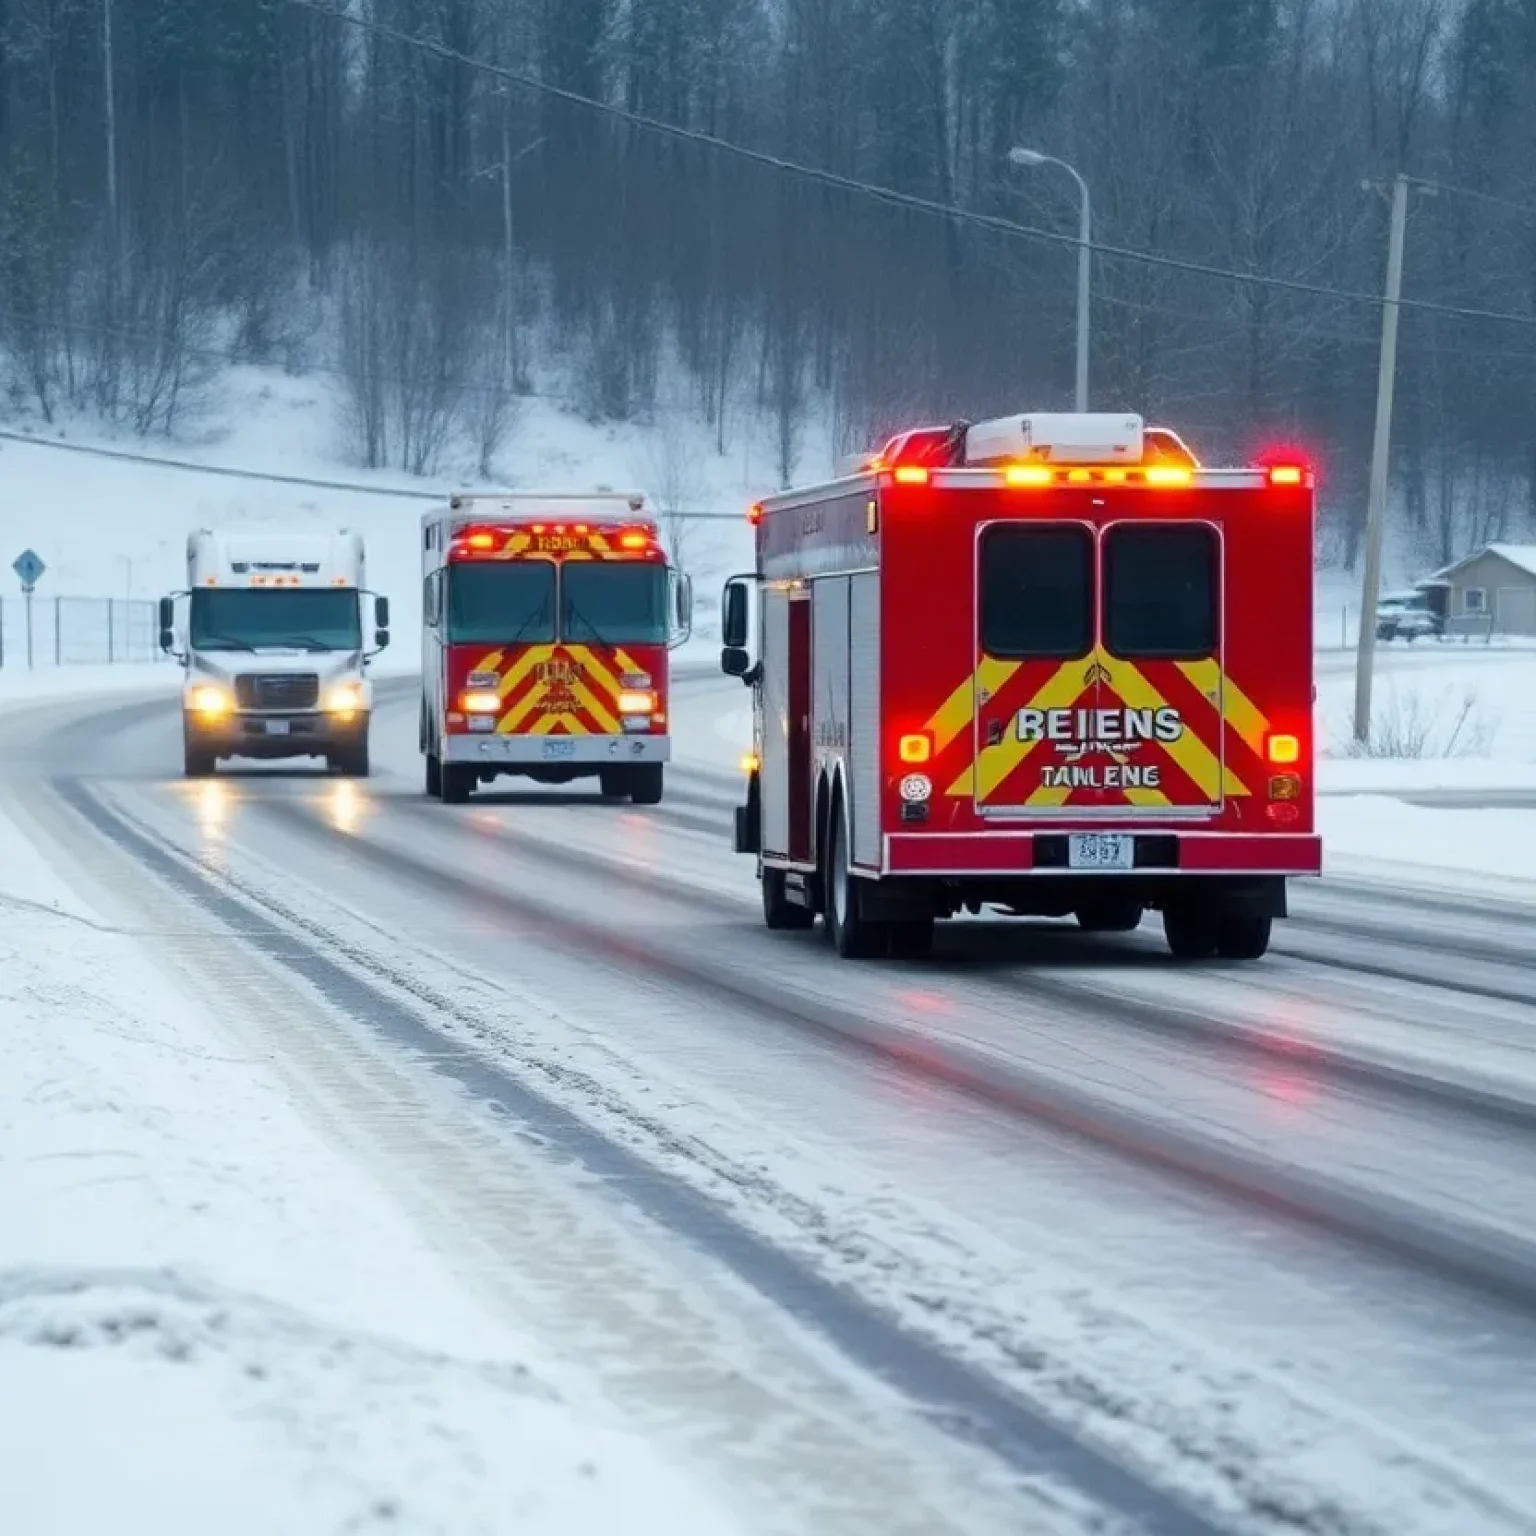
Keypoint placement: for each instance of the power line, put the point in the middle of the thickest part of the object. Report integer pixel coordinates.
(235, 472)
(874, 190)
(1492, 198)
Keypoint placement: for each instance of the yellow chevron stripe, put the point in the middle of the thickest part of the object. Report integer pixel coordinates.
(957, 712)
(1192, 755)
(1240, 712)
(584, 657)
(490, 662)
(524, 664)
(594, 707)
(996, 763)
(524, 707)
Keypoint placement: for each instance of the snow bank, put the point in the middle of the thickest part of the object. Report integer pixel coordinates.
(1451, 719)
(211, 1321)
(1491, 852)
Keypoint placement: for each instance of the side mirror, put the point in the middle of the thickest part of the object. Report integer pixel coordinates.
(733, 616)
(167, 615)
(168, 641)
(381, 616)
(380, 639)
(734, 661)
(685, 602)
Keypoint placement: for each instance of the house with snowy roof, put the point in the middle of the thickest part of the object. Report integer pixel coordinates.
(1491, 591)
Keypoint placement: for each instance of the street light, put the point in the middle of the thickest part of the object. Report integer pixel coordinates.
(1031, 158)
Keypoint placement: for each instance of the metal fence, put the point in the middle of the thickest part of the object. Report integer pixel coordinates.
(77, 631)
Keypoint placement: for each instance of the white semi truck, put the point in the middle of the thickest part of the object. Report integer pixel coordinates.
(275, 658)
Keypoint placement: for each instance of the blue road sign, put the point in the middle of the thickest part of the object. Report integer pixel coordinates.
(29, 566)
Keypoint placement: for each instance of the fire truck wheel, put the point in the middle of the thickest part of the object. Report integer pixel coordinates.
(910, 939)
(779, 912)
(1192, 929)
(434, 776)
(853, 936)
(1244, 936)
(1109, 915)
(646, 784)
(458, 782)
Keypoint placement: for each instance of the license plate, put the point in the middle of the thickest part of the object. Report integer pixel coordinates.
(1101, 850)
(277, 727)
(559, 749)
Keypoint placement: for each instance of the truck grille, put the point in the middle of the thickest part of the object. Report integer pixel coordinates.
(283, 690)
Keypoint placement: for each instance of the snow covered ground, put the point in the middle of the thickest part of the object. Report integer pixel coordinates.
(211, 1320)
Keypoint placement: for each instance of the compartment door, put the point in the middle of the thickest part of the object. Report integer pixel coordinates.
(1164, 690)
(1038, 675)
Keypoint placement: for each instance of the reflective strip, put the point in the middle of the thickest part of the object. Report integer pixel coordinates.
(1238, 710)
(1200, 765)
(1063, 688)
(957, 712)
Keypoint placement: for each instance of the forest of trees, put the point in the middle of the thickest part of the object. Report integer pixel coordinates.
(183, 181)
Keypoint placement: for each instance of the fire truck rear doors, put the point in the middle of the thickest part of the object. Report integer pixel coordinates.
(1098, 667)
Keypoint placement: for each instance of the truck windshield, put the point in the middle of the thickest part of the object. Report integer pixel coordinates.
(295, 618)
(499, 602)
(614, 603)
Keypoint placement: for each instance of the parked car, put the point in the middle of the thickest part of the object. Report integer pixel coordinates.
(1408, 616)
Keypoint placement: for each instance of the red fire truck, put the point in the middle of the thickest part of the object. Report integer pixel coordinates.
(1047, 664)
(546, 626)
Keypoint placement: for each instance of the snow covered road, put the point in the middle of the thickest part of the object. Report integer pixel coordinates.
(1044, 1230)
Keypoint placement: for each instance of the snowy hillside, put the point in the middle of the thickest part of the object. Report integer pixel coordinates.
(124, 526)
(107, 527)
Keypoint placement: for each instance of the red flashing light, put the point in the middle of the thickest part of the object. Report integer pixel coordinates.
(755, 513)
(911, 474)
(1286, 474)
(632, 541)
(480, 541)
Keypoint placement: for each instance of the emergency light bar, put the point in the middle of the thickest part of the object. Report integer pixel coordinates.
(1064, 437)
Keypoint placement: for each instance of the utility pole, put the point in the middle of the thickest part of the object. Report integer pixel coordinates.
(1376, 508)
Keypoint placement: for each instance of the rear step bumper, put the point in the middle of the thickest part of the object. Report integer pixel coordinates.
(958, 854)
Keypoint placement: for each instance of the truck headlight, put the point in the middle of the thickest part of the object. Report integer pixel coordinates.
(344, 698)
(480, 701)
(636, 701)
(209, 701)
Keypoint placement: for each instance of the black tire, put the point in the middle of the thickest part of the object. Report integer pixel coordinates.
(613, 783)
(910, 939)
(646, 784)
(434, 776)
(1192, 930)
(1244, 936)
(1110, 915)
(779, 912)
(853, 936)
(198, 762)
(458, 782)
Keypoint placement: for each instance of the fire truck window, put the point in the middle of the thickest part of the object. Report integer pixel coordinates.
(1161, 590)
(1036, 591)
(501, 602)
(613, 602)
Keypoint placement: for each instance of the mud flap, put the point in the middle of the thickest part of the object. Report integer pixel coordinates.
(749, 822)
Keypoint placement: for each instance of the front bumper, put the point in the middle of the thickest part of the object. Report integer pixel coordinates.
(491, 751)
(305, 734)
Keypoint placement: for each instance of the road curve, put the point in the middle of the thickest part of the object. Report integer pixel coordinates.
(1088, 1235)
